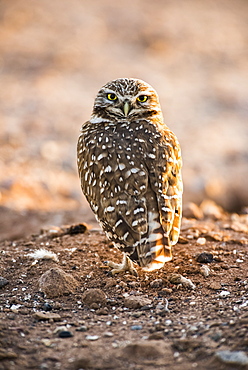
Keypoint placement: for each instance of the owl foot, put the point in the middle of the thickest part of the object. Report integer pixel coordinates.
(126, 265)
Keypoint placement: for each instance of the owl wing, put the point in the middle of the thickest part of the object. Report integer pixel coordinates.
(166, 182)
(114, 180)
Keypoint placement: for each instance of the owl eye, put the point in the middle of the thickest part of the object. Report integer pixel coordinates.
(142, 98)
(111, 96)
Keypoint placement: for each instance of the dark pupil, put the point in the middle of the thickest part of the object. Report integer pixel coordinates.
(142, 97)
(112, 96)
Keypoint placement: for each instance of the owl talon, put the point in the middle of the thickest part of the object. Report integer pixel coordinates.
(126, 265)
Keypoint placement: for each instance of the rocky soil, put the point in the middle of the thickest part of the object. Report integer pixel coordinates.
(60, 307)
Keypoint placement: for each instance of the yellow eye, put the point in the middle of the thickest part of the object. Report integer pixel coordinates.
(142, 98)
(111, 96)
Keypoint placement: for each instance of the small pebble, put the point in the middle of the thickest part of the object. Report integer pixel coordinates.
(233, 357)
(215, 285)
(59, 329)
(46, 307)
(224, 293)
(204, 270)
(156, 283)
(65, 334)
(108, 334)
(166, 290)
(136, 301)
(239, 260)
(216, 336)
(92, 337)
(46, 316)
(179, 279)
(156, 336)
(205, 257)
(82, 328)
(201, 241)
(3, 282)
(46, 342)
(136, 327)
(15, 307)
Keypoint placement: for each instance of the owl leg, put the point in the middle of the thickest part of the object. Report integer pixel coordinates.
(126, 265)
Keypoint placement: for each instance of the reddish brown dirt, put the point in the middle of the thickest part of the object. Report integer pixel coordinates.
(114, 333)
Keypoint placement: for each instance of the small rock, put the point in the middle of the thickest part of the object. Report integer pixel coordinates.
(94, 306)
(137, 314)
(215, 285)
(47, 342)
(46, 307)
(216, 336)
(108, 334)
(15, 307)
(205, 270)
(205, 257)
(239, 260)
(156, 336)
(136, 301)
(92, 337)
(179, 279)
(65, 334)
(232, 357)
(46, 316)
(166, 291)
(143, 349)
(59, 329)
(94, 297)
(136, 327)
(201, 241)
(82, 328)
(55, 282)
(102, 311)
(156, 283)
(224, 293)
(111, 282)
(3, 282)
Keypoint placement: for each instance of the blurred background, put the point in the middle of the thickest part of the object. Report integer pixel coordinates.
(54, 57)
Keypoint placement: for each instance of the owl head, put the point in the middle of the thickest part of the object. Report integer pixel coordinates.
(126, 98)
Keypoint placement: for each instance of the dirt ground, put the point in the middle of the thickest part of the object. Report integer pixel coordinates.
(152, 321)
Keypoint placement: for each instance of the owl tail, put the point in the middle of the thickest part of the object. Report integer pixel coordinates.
(159, 253)
(154, 249)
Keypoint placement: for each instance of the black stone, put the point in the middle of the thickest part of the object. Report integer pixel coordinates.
(65, 334)
(47, 307)
(205, 257)
(3, 282)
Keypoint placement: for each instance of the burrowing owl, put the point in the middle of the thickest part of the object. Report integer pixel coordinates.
(130, 168)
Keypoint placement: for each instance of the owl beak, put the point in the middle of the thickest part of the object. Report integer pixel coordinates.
(126, 108)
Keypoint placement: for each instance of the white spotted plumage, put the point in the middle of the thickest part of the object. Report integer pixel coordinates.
(130, 168)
